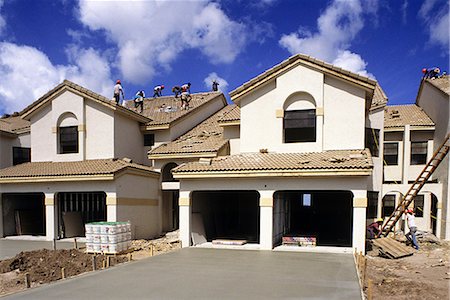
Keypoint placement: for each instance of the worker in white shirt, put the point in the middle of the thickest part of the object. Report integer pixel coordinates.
(411, 235)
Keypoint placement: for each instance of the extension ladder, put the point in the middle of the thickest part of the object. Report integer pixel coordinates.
(432, 165)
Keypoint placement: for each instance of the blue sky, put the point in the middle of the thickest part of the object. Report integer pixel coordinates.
(147, 43)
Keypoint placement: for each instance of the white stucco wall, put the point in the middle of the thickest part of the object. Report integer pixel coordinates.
(99, 131)
(43, 141)
(232, 133)
(128, 139)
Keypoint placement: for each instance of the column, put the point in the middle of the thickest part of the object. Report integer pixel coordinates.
(266, 220)
(185, 218)
(50, 217)
(359, 219)
(439, 222)
(111, 207)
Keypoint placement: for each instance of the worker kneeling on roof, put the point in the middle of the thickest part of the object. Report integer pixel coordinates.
(157, 91)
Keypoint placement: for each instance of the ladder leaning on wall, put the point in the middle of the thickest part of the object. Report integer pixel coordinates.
(426, 173)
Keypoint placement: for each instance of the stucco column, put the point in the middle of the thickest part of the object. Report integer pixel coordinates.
(185, 218)
(359, 219)
(406, 154)
(439, 223)
(111, 207)
(1, 217)
(50, 216)
(266, 220)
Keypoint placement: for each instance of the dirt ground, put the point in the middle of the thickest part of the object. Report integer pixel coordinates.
(44, 265)
(424, 275)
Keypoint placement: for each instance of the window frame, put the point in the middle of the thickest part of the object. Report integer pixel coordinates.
(418, 158)
(373, 142)
(387, 212)
(389, 162)
(372, 204)
(418, 209)
(19, 153)
(304, 134)
(69, 146)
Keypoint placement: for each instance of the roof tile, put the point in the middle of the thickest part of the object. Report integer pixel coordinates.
(401, 115)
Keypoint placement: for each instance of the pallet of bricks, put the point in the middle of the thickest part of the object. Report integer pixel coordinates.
(302, 241)
(108, 237)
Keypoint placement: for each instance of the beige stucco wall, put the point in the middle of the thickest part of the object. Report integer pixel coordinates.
(232, 133)
(99, 131)
(6, 142)
(340, 127)
(128, 140)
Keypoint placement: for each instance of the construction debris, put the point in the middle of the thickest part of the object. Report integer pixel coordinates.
(391, 248)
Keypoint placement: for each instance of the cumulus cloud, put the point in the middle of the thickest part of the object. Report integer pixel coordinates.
(223, 84)
(338, 25)
(149, 35)
(435, 15)
(2, 19)
(27, 74)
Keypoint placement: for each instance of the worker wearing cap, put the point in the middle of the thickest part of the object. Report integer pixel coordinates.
(117, 91)
(411, 235)
(374, 229)
(157, 91)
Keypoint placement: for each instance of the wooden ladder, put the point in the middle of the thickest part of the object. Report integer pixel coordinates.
(432, 165)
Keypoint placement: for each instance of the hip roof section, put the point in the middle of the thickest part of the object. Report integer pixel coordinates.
(397, 116)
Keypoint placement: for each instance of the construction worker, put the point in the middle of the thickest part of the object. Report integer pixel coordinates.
(215, 86)
(117, 91)
(157, 91)
(185, 96)
(411, 235)
(374, 229)
(139, 100)
(186, 87)
(431, 72)
(176, 90)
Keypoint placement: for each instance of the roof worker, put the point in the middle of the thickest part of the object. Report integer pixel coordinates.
(176, 90)
(215, 86)
(186, 87)
(139, 100)
(117, 91)
(431, 72)
(411, 235)
(157, 91)
(374, 229)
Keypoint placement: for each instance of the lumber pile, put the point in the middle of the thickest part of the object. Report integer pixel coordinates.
(390, 248)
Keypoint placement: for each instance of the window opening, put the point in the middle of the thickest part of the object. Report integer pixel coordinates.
(68, 139)
(391, 153)
(21, 155)
(299, 126)
(418, 153)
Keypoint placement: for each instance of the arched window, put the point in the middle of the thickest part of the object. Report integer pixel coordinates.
(67, 134)
(167, 172)
(299, 122)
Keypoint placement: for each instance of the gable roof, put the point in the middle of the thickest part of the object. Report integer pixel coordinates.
(232, 117)
(301, 59)
(397, 116)
(100, 169)
(204, 140)
(166, 110)
(14, 125)
(67, 85)
(379, 98)
(330, 163)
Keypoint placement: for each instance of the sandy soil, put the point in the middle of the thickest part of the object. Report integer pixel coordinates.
(424, 275)
(44, 265)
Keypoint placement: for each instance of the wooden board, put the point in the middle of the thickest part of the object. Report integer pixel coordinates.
(229, 242)
(391, 248)
(73, 224)
(198, 234)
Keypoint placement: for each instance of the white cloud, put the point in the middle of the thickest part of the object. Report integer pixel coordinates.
(223, 84)
(150, 35)
(338, 25)
(435, 16)
(404, 11)
(26, 74)
(2, 19)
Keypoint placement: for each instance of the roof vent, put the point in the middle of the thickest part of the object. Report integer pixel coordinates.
(205, 161)
(128, 160)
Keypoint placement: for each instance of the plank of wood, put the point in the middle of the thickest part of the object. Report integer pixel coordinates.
(392, 248)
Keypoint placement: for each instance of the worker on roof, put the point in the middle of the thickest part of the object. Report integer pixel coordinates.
(431, 72)
(176, 90)
(186, 87)
(411, 235)
(374, 229)
(139, 100)
(117, 91)
(215, 86)
(157, 91)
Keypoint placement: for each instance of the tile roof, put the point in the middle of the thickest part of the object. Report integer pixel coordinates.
(165, 110)
(206, 137)
(401, 115)
(14, 124)
(442, 83)
(75, 168)
(233, 115)
(337, 160)
(302, 58)
(379, 98)
(66, 84)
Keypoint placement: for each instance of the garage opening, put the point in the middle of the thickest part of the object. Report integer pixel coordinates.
(23, 214)
(75, 209)
(228, 215)
(326, 216)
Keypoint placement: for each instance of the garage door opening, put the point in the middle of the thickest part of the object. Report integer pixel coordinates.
(228, 215)
(75, 209)
(326, 216)
(23, 214)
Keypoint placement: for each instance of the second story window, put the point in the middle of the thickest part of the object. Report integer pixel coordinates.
(419, 153)
(21, 155)
(391, 153)
(68, 139)
(388, 206)
(372, 141)
(149, 139)
(372, 205)
(299, 126)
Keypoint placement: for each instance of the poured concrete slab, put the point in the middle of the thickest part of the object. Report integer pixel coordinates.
(9, 247)
(193, 273)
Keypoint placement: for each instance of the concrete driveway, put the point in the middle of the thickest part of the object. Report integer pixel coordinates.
(214, 274)
(10, 247)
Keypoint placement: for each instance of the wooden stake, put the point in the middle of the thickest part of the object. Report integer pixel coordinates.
(369, 290)
(364, 270)
(108, 261)
(129, 256)
(94, 262)
(27, 280)
(75, 244)
(151, 250)
(103, 264)
(54, 244)
(63, 273)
